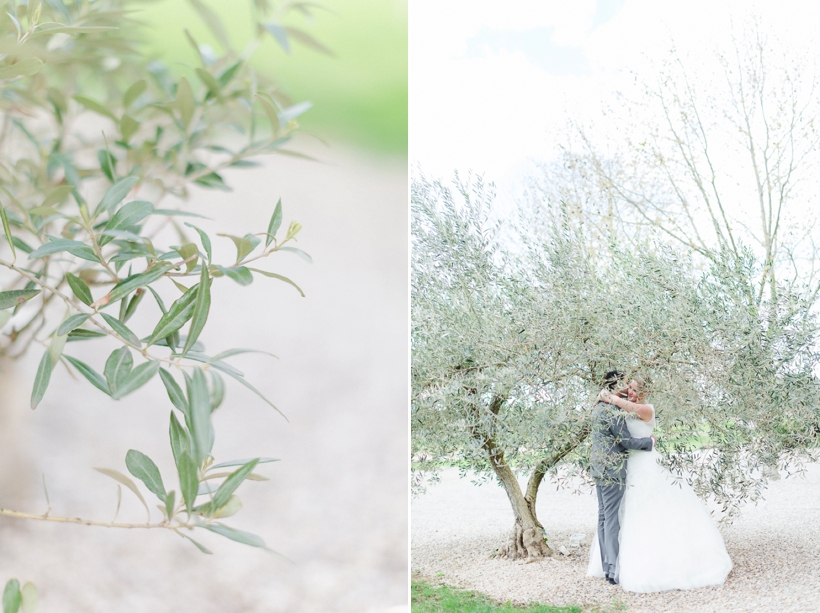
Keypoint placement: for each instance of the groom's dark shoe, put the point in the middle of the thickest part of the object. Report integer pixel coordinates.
(611, 580)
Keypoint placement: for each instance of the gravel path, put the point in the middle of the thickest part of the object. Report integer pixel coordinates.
(336, 505)
(775, 547)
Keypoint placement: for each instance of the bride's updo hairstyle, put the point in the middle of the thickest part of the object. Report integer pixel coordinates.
(612, 378)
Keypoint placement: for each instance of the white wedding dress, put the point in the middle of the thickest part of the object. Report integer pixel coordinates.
(668, 540)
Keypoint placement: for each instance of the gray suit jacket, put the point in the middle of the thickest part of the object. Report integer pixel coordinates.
(610, 442)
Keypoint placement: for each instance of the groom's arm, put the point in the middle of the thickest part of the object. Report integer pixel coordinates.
(617, 426)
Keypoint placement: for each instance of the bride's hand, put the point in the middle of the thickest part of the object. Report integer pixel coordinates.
(604, 396)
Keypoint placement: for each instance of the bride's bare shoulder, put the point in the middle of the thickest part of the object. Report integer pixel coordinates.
(645, 412)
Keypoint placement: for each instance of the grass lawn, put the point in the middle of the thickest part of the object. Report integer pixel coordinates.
(427, 598)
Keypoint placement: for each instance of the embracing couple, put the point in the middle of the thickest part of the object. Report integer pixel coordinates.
(653, 534)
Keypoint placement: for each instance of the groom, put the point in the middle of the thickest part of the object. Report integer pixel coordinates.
(610, 444)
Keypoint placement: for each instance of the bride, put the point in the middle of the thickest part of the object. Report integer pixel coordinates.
(667, 540)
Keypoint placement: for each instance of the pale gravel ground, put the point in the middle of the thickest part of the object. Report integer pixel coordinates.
(336, 505)
(775, 547)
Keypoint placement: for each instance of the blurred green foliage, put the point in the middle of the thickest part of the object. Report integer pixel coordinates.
(359, 93)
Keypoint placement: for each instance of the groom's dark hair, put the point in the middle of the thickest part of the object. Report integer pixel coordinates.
(611, 379)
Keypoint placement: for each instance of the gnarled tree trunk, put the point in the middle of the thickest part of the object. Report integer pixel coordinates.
(534, 483)
(527, 539)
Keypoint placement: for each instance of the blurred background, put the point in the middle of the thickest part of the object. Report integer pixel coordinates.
(359, 92)
(336, 505)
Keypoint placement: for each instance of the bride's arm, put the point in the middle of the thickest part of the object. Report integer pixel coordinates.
(643, 411)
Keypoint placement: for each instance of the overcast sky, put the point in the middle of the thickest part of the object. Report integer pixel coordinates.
(492, 83)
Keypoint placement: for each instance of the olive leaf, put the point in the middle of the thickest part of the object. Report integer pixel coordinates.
(273, 275)
(79, 288)
(174, 391)
(93, 105)
(127, 482)
(229, 486)
(24, 68)
(202, 305)
(198, 545)
(128, 285)
(200, 410)
(115, 194)
(75, 321)
(41, 379)
(180, 441)
(274, 223)
(135, 379)
(188, 480)
(240, 536)
(240, 274)
(117, 367)
(180, 312)
(12, 598)
(185, 102)
(243, 246)
(93, 377)
(206, 241)
(134, 92)
(121, 329)
(16, 297)
(144, 469)
(29, 597)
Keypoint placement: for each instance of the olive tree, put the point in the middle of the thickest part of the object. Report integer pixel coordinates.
(716, 158)
(712, 156)
(100, 149)
(511, 340)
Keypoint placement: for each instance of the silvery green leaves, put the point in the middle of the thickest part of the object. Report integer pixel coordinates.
(138, 377)
(19, 600)
(121, 376)
(275, 222)
(62, 205)
(117, 367)
(515, 343)
(115, 194)
(12, 596)
(240, 274)
(133, 282)
(90, 374)
(240, 536)
(79, 287)
(41, 379)
(195, 441)
(144, 469)
(175, 393)
(127, 482)
(199, 402)
(75, 321)
(83, 230)
(226, 490)
(16, 297)
(244, 245)
(57, 245)
(222, 501)
(202, 304)
(123, 331)
(125, 218)
(224, 367)
(194, 305)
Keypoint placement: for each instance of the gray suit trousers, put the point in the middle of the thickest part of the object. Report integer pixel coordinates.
(609, 501)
